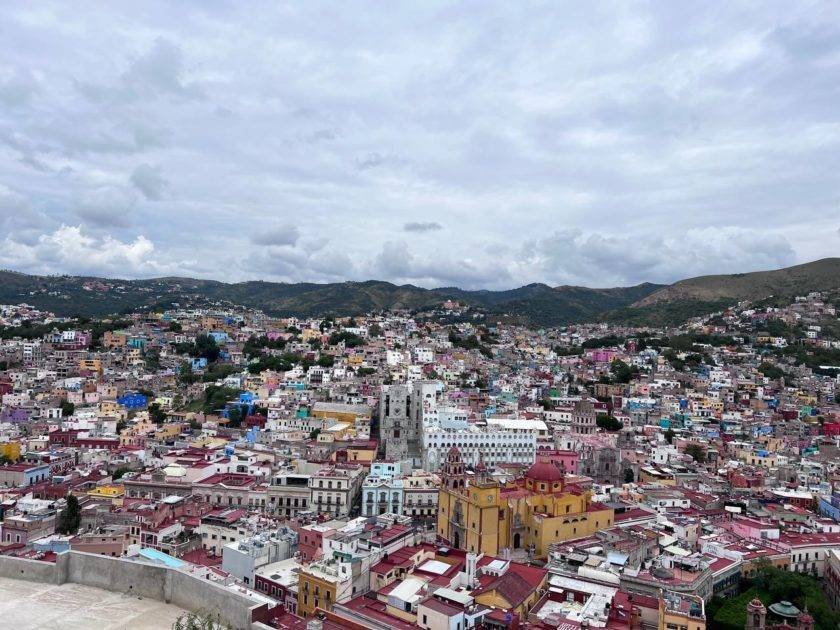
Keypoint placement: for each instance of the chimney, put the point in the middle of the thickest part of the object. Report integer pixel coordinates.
(472, 562)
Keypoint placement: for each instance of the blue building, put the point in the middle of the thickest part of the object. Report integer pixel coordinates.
(385, 469)
(219, 337)
(830, 507)
(132, 400)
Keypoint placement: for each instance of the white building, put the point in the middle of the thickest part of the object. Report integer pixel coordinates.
(501, 441)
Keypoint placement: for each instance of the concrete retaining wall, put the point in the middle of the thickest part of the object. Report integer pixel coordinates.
(193, 593)
(30, 570)
(114, 574)
(137, 579)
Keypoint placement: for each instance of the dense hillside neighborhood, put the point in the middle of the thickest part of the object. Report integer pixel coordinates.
(435, 468)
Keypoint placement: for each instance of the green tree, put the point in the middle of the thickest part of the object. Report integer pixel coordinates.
(351, 340)
(629, 476)
(119, 472)
(70, 517)
(235, 416)
(200, 621)
(206, 347)
(216, 397)
(67, 408)
(696, 451)
(770, 371)
(607, 422)
(185, 373)
(669, 435)
(621, 372)
(156, 414)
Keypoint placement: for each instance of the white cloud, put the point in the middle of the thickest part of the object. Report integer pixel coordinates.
(72, 250)
(396, 261)
(604, 260)
(609, 145)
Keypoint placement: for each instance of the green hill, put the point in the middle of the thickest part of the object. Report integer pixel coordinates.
(534, 304)
(820, 275)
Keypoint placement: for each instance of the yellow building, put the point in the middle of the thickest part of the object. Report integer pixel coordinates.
(107, 492)
(116, 339)
(340, 412)
(308, 334)
(91, 365)
(764, 459)
(520, 601)
(679, 611)
(650, 474)
(360, 454)
(168, 430)
(317, 587)
(111, 408)
(531, 513)
(10, 450)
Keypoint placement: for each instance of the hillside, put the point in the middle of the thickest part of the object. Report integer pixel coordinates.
(534, 304)
(820, 275)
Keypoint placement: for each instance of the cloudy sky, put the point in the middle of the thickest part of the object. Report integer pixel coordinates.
(480, 144)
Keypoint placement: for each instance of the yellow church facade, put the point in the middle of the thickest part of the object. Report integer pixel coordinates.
(483, 516)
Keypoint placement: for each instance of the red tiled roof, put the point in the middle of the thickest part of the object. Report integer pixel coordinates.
(442, 607)
(201, 558)
(633, 513)
(516, 585)
(376, 611)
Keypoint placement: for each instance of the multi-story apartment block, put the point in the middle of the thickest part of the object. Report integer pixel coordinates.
(335, 489)
(289, 494)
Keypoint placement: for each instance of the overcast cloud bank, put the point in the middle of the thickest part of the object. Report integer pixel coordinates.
(480, 145)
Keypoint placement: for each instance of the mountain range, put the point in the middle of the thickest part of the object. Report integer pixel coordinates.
(534, 304)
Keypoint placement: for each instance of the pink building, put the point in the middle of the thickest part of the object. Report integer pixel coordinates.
(751, 528)
(601, 355)
(566, 459)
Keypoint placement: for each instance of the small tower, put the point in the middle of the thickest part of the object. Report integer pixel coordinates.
(454, 476)
(480, 468)
(756, 615)
(805, 621)
(471, 570)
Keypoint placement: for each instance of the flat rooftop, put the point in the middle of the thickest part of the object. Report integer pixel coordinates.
(35, 605)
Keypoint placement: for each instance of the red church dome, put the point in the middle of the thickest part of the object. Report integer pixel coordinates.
(544, 471)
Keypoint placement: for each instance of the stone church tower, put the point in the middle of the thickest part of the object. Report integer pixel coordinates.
(756, 615)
